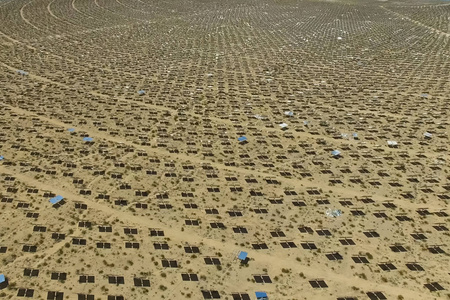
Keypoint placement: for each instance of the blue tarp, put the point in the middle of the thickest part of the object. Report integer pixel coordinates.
(71, 129)
(335, 152)
(242, 139)
(355, 135)
(88, 139)
(1, 157)
(2, 278)
(261, 295)
(141, 92)
(242, 255)
(56, 199)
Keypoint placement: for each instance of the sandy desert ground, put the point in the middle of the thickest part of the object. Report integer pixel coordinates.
(182, 133)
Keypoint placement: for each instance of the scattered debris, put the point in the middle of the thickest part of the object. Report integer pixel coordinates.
(22, 72)
(333, 212)
(284, 126)
(336, 153)
(392, 144)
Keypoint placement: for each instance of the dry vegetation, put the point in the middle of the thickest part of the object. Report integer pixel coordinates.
(162, 200)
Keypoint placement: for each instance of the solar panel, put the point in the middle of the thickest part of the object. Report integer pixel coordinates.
(387, 266)
(288, 245)
(240, 229)
(360, 259)
(39, 228)
(309, 246)
(347, 242)
(58, 276)
(389, 205)
(440, 228)
(131, 245)
(189, 277)
(212, 261)
(403, 218)
(192, 222)
(110, 297)
(418, 236)
(434, 286)
(262, 278)
(28, 248)
(210, 294)
(240, 296)
(334, 256)
(86, 279)
(260, 246)
(58, 236)
(25, 293)
(323, 232)
(414, 267)
(161, 246)
(169, 263)
(436, 250)
(185, 277)
(441, 214)
(299, 203)
(380, 215)
(217, 225)
(104, 228)
(141, 282)
(277, 234)
(31, 272)
(318, 284)
(357, 213)
(371, 234)
(77, 241)
(130, 231)
(156, 232)
(55, 296)
(191, 249)
(86, 297)
(376, 296)
(306, 230)
(398, 248)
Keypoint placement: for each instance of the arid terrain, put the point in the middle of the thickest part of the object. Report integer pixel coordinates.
(312, 135)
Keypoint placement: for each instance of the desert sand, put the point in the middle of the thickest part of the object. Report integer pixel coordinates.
(311, 135)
